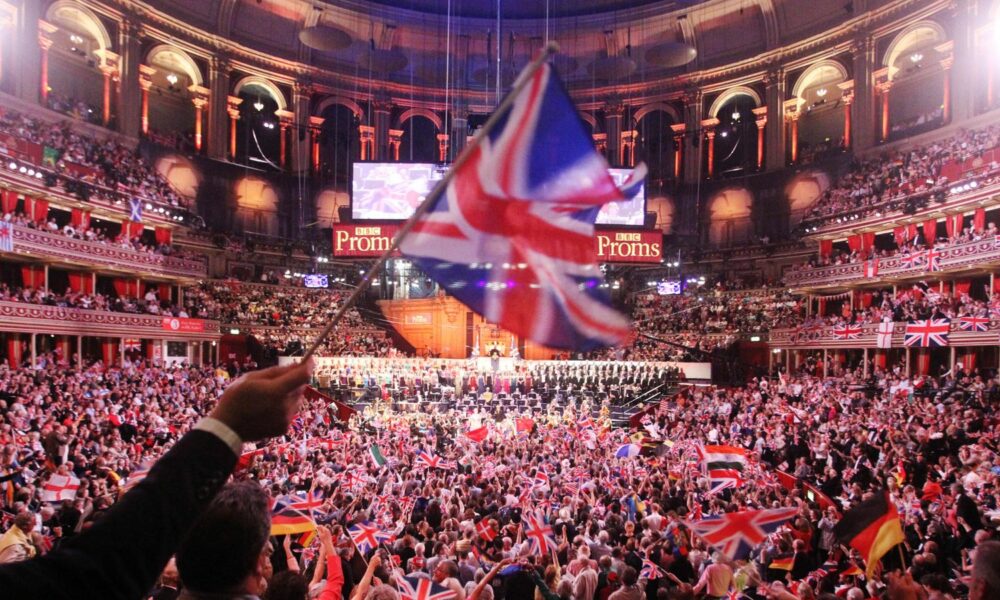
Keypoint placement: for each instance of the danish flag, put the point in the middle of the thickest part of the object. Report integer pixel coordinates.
(847, 332)
(512, 234)
(539, 533)
(736, 534)
(485, 531)
(367, 536)
(927, 333)
(59, 488)
(974, 323)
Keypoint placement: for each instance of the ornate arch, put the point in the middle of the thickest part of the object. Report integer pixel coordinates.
(269, 87)
(420, 112)
(911, 34)
(654, 106)
(726, 96)
(66, 11)
(343, 101)
(808, 76)
(183, 59)
(591, 119)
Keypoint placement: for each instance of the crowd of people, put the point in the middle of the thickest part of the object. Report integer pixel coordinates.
(148, 304)
(119, 171)
(460, 492)
(874, 184)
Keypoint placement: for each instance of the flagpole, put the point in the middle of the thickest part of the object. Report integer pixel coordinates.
(522, 81)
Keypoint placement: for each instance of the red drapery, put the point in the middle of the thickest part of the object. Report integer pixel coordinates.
(969, 360)
(81, 281)
(130, 229)
(953, 225)
(825, 248)
(996, 285)
(822, 307)
(923, 361)
(32, 277)
(961, 287)
(9, 200)
(126, 287)
(930, 232)
(80, 218)
(162, 290)
(879, 359)
(15, 351)
(39, 210)
(109, 352)
(163, 236)
(64, 349)
(979, 220)
(854, 242)
(867, 240)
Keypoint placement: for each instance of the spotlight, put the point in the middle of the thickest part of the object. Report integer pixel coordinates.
(12, 166)
(23, 169)
(821, 92)
(916, 57)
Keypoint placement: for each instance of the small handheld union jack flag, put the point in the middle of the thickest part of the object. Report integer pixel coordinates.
(419, 588)
(650, 570)
(367, 536)
(736, 534)
(539, 533)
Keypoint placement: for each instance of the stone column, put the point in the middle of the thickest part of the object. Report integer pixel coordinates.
(968, 61)
(459, 130)
(233, 112)
(774, 136)
(946, 65)
(366, 133)
(792, 117)
(883, 89)
(442, 139)
(863, 120)
(199, 97)
(45, 31)
(678, 129)
(301, 96)
(847, 99)
(760, 115)
(219, 104)
(285, 120)
(709, 125)
(382, 107)
(109, 73)
(613, 111)
(628, 147)
(25, 51)
(315, 129)
(692, 120)
(128, 103)
(145, 83)
(395, 142)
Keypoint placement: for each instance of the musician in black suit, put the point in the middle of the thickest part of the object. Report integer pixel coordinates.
(126, 549)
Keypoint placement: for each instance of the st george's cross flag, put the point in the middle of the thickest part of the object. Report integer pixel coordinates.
(59, 488)
(871, 268)
(512, 236)
(883, 338)
(736, 534)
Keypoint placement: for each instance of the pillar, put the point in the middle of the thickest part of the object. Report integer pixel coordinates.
(366, 134)
(760, 115)
(884, 91)
(792, 118)
(442, 139)
(219, 118)
(459, 129)
(826, 363)
(233, 112)
(908, 352)
(285, 119)
(678, 129)
(199, 97)
(128, 102)
(864, 361)
(863, 120)
(25, 51)
(946, 65)
(45, 276)
(34, 349)
(301, 154)
(382, 107)
(847, 99)
(145, 83)
(79, 353)
(45, 30)
(968, 59)
(629, 139)
(613, 111)
(774, 136)
(395, 142)
(315, 129)
(709, 125)
(108, 72)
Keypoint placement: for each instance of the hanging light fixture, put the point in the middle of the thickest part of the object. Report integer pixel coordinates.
(821, 92)
(172, 79)
(916, 57)
(258, 105)
(736, 114)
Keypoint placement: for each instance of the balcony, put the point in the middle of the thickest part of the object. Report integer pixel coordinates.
(39, 318)
(60, 248)
(823, 337)
(951, 259)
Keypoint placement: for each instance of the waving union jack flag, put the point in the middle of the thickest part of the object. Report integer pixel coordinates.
(974, 323)
(419, 588)
(432, 461)
(650, 570)
(736, 534)
(367, 536)
(926, 333)
(512, 235)
(539, 533)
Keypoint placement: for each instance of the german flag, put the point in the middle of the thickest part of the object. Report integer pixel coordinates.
(782, 564)
(872, 528)
(286, 521)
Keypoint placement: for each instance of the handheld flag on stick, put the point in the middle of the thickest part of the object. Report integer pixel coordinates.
(872, 528)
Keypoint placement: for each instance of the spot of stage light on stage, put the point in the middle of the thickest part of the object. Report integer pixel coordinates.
(481, 283)
(510, 283)
(754, 338)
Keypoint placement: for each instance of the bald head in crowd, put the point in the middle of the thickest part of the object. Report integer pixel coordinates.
(985, 581)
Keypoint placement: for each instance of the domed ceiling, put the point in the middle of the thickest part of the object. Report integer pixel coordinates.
(529, 9)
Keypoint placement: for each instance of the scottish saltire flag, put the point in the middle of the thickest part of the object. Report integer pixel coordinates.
(135, 210)
(512, 236)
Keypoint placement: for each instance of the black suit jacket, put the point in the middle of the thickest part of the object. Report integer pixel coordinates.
(122, 554)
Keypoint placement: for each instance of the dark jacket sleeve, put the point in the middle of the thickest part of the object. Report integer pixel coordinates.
(122, 554)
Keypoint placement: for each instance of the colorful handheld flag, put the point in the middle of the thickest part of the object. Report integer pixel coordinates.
(872, 528)
(479, 434)
(512, 234)
(539, 534)
(375, 453)
(286, 520)
(736, 534)
(59, 488)
(628, 451)
(486, 531)
(650, 570)
(367, 536)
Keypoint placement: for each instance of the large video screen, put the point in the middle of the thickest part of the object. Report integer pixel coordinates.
(392, 191)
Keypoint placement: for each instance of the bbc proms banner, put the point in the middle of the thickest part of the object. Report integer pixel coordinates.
(183, 325)
(613, 245)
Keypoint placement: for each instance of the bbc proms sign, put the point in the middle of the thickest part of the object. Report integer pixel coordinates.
(613, 245)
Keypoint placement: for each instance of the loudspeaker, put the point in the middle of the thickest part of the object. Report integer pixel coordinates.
(650, 221)
(344, 214)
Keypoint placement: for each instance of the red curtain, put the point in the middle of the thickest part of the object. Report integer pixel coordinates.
(39, 210)
(930, 232)
(163, 236)
(854, 242)
(64, 349)
(899, 234)
(979, 220)
(866, 299)
(996, 285)
(15, 351)
(109, 352)
(32, 277)
(969, 360)
(80, 218)
(163, 292)
(961, 287)
(9, 200)
(825, 248)
(822, 307)
(132, 230)
(953, 225)
(126, 288)
(879, 359)
(923, 361)
(81, 281)
(868, 240)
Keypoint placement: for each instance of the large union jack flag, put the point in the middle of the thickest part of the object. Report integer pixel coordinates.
(846, 332)
(927, 333)
(420, 588)
(512, 235)
(736, 534)
(974, 323)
